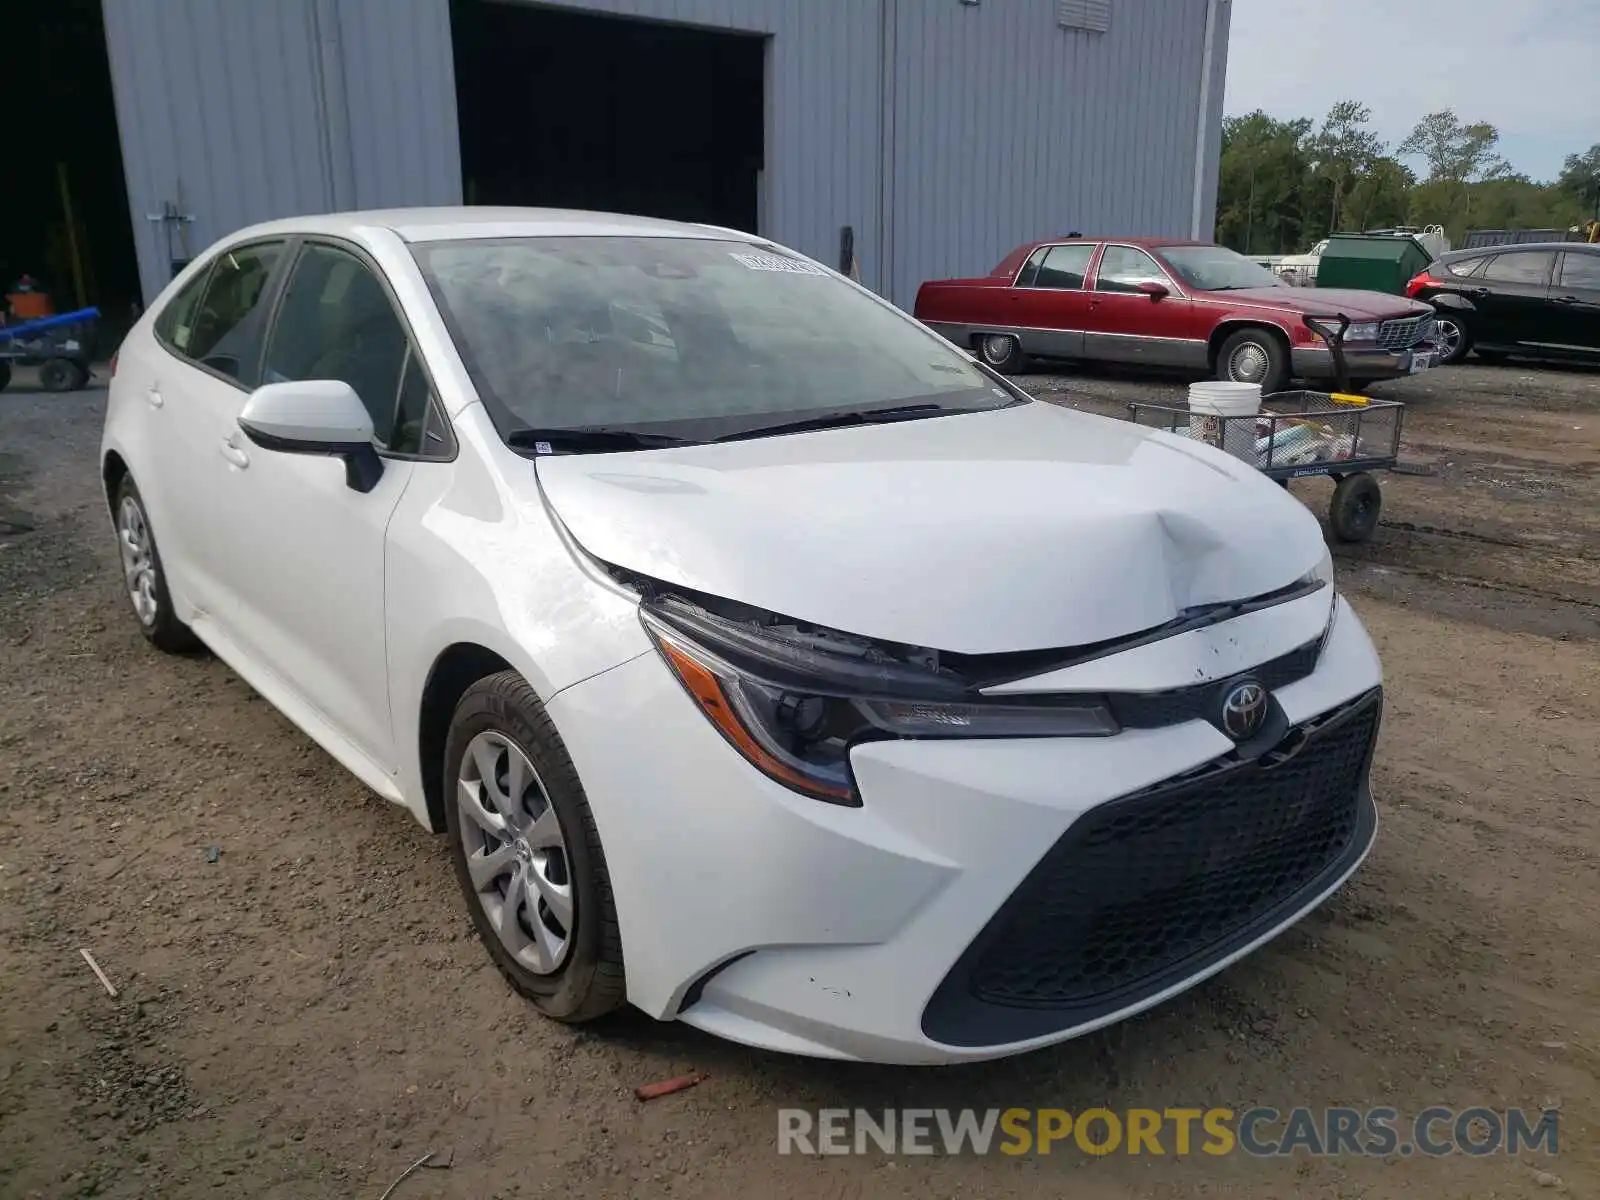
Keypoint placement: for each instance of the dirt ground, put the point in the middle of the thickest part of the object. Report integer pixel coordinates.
(309, 1014)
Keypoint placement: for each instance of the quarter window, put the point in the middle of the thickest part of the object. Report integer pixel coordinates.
(1524, 266)
(226, 334)
(1580, 270)
(1030, 269)
(176, 324)
(1123, 269)
(1064, 267)
(336, 322)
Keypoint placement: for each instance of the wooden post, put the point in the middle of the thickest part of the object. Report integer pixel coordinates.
(72, 236)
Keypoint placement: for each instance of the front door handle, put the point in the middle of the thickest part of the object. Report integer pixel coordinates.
(234, 453)
(153, 397)
(1478, 293)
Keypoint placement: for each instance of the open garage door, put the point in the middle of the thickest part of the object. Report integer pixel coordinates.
(570, 110)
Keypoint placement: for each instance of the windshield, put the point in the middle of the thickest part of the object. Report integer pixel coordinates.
(1216, 268)
(682, 339)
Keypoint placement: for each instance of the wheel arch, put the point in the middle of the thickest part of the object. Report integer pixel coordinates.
(113, 470)
(457, 667)
(1229, 326)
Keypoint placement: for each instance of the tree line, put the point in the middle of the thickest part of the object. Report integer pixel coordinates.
(1284, 185)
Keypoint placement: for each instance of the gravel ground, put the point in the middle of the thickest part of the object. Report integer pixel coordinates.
(308, 1014)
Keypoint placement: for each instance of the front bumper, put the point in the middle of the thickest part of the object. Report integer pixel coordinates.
(1316, 362)
(778, 921)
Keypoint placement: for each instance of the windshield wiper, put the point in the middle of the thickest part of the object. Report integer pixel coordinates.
(839, 420)
(599, 439)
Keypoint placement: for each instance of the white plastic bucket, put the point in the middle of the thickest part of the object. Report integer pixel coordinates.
(1212, 399)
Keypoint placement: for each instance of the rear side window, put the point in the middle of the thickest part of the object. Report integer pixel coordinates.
(1467, 268)
(1523, 266)
(1580, 270)
(336, 322)
(226, 335)
(1064, 267)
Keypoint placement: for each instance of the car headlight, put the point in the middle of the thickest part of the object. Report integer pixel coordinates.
(794, 708)
(1324, 568)
(1366, 331)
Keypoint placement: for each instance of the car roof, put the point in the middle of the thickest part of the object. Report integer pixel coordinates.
(1147, 243)
(472, 221)
(1505, 247)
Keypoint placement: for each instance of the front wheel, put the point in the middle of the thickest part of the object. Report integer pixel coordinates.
(1454, 340)
(527, 853)
(62, 375)
(1254, 355)
(1357, 503)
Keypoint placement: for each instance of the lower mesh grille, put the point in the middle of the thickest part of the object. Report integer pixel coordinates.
(1148, 889)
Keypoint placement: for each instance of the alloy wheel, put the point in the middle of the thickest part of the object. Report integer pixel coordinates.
(515, 852)
(1449, 336)
(138, 559)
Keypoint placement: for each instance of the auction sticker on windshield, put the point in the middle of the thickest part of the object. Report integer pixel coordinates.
(772, 262)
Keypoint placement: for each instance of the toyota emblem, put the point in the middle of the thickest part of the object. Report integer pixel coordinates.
(1244, 710)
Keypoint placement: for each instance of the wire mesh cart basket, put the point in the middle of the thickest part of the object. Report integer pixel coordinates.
(1299, 433)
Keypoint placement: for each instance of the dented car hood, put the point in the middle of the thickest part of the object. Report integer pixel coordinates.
(1025, 528)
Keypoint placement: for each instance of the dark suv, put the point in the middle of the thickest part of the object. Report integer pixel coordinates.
(1540, 300)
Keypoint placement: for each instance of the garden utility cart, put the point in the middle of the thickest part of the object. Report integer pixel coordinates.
(58, 346)
(1299, 433)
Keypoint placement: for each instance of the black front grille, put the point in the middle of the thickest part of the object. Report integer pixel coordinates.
(1202, 702)
(1144, 891)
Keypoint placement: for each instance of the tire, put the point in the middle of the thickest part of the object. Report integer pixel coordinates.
(1454, 338)
(59, 375)
(1356, 506)
(1001, 351)
(1254, 355)
(144, 577)
(582, 978)
(5, 374)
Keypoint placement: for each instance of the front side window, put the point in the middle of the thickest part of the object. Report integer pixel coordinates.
(1064, 267)
(1124, 268)
(1580, 270)
(1030, 269)
(685, 338)
(336, 322)
(226, 334)
(1523, 266)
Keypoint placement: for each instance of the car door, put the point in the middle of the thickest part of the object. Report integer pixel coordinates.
(302, 551)
(1050, 305)
(1510, 295)
(195, 389)
(1575, 302)
(1128, 325)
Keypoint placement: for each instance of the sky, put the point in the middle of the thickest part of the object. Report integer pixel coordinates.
(1529, 67)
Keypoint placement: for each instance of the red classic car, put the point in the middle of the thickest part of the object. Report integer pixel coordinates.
(1171, 303)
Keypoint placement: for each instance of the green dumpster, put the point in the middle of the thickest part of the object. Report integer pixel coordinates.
(1373, 262)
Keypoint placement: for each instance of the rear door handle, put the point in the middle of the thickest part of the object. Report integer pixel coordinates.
(1566, 299)
(234, 453)
(1478, 293)
(153, 397)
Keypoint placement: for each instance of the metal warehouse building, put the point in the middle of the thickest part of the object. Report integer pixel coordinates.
(939, 132)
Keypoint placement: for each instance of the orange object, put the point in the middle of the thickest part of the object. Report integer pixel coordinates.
(667, 1086)
(26, 304)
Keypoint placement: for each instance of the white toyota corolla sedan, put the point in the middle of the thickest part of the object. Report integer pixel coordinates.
(766, 662)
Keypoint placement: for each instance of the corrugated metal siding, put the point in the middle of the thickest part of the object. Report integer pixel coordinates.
(943, 133)
(245, 111)
(1009, 127)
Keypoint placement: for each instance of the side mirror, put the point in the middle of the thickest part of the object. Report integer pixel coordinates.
(1151, 288)
(315, 416)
